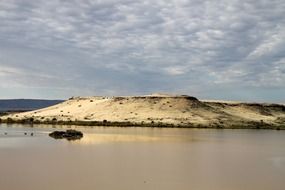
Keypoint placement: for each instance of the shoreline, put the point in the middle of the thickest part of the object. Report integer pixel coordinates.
(251, 125)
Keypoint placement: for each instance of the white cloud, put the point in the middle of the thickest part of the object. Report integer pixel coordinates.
(175, 70)
(220, 42)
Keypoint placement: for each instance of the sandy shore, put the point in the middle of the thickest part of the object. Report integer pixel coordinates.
(156, 110)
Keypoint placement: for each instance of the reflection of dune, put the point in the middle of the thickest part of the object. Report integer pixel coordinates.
(115, 138)
(109, 138)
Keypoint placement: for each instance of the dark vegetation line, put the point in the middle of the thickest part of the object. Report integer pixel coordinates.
(247, 125)
(7, 112)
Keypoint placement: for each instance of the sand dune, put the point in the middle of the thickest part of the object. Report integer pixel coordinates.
(157, 109)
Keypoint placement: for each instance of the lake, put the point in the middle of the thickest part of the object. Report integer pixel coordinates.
(116, 158)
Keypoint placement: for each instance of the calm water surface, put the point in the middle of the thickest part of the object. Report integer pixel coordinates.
(142, 158)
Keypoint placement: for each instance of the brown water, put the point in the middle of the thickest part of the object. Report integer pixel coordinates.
(142, 158)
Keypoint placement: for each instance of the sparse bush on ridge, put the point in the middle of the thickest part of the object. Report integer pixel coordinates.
(10, 120)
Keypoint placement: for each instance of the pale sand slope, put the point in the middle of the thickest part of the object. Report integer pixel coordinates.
(157, 108)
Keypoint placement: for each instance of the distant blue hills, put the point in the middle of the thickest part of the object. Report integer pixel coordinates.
(25, 104)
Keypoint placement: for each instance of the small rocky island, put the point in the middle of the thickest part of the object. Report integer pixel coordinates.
(68, 134)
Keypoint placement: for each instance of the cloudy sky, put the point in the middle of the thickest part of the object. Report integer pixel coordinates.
(215, 49)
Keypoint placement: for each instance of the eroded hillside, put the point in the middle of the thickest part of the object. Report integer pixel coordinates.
(156, 110)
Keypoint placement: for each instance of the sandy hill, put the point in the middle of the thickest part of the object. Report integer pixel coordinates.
(157, 110)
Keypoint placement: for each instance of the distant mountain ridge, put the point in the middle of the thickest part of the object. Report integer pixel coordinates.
(25, 104)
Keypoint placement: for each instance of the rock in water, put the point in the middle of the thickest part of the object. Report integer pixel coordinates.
(68, 134)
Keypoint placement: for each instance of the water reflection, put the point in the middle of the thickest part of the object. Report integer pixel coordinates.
(99, 138)
(112, 138)
(142, 158)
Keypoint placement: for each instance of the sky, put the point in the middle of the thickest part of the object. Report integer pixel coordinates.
(215, 49)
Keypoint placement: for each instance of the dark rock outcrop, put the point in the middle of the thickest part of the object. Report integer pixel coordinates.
(68, 134)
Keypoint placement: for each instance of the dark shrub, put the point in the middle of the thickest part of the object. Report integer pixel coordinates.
(9, 120)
